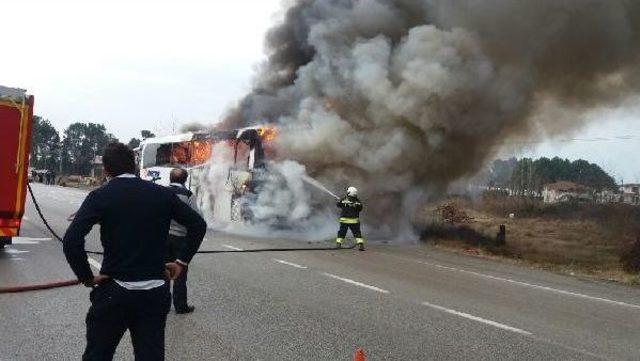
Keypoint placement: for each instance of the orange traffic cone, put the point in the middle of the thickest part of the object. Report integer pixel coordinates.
(359, 355)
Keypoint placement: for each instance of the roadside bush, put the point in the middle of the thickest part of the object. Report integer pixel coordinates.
(460, 233)
(503, 205)
(597, 238)
(630, 258)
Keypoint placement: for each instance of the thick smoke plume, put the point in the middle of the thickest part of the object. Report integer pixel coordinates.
(404, 97)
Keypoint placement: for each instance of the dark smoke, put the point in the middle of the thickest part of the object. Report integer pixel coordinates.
(194, 127)
(399, 97)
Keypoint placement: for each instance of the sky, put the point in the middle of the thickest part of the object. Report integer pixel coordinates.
(610, 138)
(134, 65)
(156, 65)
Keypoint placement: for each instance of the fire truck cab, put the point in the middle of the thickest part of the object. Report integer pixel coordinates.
(16, 114)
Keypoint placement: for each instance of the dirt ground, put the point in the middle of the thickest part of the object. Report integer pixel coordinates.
(585, 239)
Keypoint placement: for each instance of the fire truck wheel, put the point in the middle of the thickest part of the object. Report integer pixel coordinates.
(4, 241)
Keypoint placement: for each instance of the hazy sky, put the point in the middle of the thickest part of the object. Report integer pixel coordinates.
(610, 138)
(135, 65)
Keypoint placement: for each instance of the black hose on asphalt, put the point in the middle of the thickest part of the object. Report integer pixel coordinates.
(46, 224)
(35, 203)
(44, 286)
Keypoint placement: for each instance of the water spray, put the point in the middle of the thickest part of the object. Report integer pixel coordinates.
(318, 185)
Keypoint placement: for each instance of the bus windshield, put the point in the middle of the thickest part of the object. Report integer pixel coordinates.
(184, 154)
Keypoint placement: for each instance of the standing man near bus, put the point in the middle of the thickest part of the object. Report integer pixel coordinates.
(177, 239)
(131, 291)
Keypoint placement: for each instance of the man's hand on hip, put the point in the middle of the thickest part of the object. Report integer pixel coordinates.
(172, 270)
(96, 280)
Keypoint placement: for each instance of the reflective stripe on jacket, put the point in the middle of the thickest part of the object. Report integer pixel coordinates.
(350, 210)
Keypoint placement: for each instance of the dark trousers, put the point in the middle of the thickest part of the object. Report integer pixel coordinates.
(355, 229)
(114, 309)
(179, 284)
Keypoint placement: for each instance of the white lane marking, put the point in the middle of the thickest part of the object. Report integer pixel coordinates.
(531, 285)
(290, 263)
(94, 263)
(28, 240)
(16, 259)
(232, 247)
(356, 283)
(478, 319)
(25, 218)
(15, 251)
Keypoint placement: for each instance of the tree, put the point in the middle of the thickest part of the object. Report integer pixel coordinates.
(529, 176)
(45, 145)
(147, 134)
(82, 142)
(501, 171)
(134, 143)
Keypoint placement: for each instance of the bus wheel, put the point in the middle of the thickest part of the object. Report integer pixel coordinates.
(236, 210)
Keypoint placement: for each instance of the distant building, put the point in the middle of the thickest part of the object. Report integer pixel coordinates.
(564, 191)
(630, 193)
(607, 196)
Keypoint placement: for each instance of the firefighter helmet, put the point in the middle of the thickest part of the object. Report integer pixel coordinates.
(352, 191)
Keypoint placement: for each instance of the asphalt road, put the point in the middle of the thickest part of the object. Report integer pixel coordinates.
(396, 302)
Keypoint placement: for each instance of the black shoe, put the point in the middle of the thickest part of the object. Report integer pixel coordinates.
(188, 309)
(361, 247)
(338, 245)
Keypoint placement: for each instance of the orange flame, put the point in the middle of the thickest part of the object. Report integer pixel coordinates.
(267, 133)
(201, 151)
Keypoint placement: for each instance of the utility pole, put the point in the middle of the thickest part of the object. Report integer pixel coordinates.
(60, 160)
(521, 180)
(530, 177)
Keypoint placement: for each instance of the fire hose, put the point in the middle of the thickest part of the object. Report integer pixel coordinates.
(57, 284)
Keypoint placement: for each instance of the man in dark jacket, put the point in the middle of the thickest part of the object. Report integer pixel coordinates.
(131, 291)
(350, 218)
(176, 241)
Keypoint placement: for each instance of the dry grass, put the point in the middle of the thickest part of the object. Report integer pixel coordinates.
(589, 239)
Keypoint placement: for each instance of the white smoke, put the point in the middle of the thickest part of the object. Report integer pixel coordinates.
(282, 198)
(284, 206)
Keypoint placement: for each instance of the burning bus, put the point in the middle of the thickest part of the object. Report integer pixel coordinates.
(243, 161)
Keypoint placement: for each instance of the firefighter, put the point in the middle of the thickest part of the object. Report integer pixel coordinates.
(350, 218)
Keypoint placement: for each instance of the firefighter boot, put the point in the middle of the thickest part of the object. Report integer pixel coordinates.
(360, 243)
(339, 243)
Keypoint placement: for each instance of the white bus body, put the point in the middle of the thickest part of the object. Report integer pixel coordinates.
(156, 158)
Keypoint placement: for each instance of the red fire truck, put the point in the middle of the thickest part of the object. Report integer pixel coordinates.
(16, 115)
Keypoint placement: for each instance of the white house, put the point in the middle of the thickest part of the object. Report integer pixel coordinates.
(630, 193)
(564, 191)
